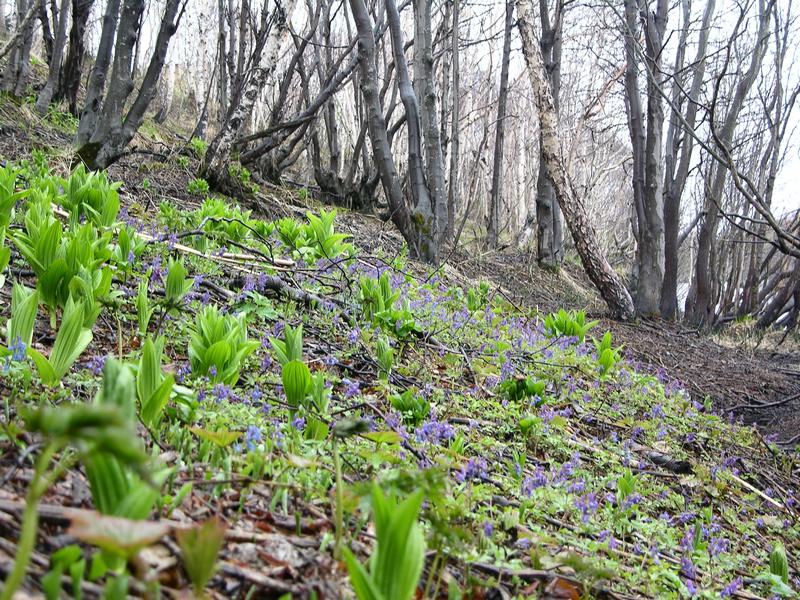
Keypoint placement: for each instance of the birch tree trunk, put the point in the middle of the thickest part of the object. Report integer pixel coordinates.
(499, 137)
(218, 156)
(609, 285)
(452, 184)
(46, 95)
(545, 214)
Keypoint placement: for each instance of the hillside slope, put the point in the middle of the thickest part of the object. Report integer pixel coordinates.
(551, 465)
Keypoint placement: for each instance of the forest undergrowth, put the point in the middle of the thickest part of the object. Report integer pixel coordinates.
(199, 401)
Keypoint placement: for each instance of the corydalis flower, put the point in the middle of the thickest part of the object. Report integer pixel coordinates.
(474, 469)
(252, 438)
(435, 432)
(588, 505)
(533, 482)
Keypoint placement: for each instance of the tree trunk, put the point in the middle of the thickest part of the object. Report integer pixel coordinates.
(499, 137)
(112, 134)
(43, 101)
(675, 176)
(647, 175)
(452, 184)
(97, 80)
(597, 268)
(3, 26)
(423, 211)
(700, 309)
(545, 213)
(218, 156)
(48, 41)
(71, 74)
(411, 227)
(423, 79)
(15, 78)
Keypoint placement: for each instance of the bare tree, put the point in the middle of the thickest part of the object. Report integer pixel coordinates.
(646, 142)
(546, 214)
(424, 87)
(609, 285)
(416, 224)
(43, 101)
(103, 133)
(700, 304)
(18, 67)
(267, 47)
(455, 116)
(499, 138)
(679, 148)
(72, 71)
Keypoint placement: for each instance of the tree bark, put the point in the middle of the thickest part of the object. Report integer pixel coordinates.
(677, 169)
(424, 80)
(611, 288)
(46, 95)
(18, 68)
(455, 137)
(700, 309)
(218, 156)
(646, 142)
(71, 73)
(97, 80)
(112, 134)
(420, 244)
(546, 214)
(423, 211)
(500, 130)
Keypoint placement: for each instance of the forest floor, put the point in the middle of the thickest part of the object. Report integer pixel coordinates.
(547, 474)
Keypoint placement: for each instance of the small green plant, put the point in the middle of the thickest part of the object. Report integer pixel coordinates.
(218, 345)
(183, 162)
(520, 388)
(778, 564)
(176, 287)
(200, 546)
(412, 405)
(199, 147)
(144, 312)
(376, 296)
(477, 297)
(66, 263)
(24, 304)
(397, 560)
(568, 324)
(128, 249)
(91, 196)
(607, 355)
(385, 357)
(153, 388)
(92, 429)
(198, 187)
(8, 201)
(71, 340)
(291, 346)
(296, 379)
(320, 233)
